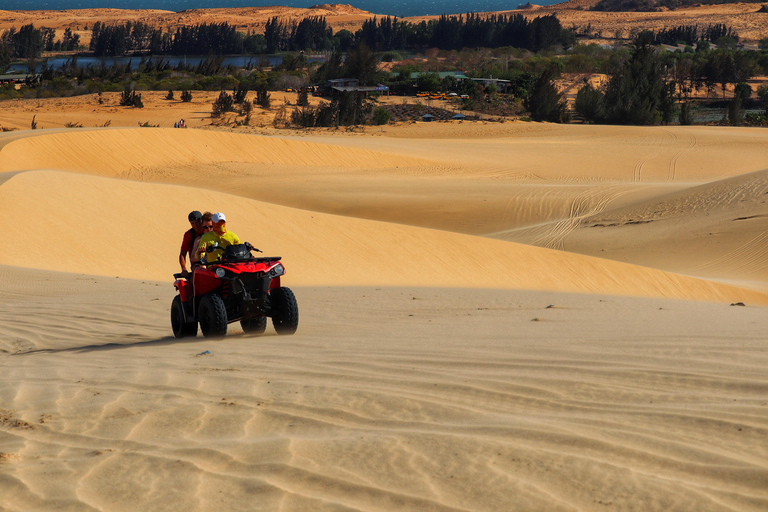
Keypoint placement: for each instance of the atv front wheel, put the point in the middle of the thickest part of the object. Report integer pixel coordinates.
(213, 316)
(285, 310)
(254, 325)
(181, 328)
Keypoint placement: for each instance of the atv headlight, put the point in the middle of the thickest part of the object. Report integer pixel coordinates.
(277, 270)
(220, 272)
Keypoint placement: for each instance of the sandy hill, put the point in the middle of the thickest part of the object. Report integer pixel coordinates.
(373, 252)
(744, 18)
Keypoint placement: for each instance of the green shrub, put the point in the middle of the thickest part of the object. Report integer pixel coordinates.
(380, 116)
(223, 103)
(130, 98)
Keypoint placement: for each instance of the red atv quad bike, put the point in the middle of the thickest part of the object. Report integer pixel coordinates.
(237, 287)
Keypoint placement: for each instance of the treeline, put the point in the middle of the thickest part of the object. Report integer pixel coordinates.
(472, 31)
(691, 34)
(647, 87)
(29, 42)
(657, 5)
(201, 39)
(311, 33)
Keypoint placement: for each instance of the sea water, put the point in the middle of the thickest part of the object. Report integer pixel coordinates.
(397, 8)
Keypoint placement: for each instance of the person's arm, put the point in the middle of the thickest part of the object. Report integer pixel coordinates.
(183, 252)
(193, 257)
(200, 250)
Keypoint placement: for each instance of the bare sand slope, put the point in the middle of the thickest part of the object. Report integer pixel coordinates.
(386, 399)
(114, 227)
(535, 184)
(718, 229)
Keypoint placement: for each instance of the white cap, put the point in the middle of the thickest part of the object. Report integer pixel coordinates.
(218, 217)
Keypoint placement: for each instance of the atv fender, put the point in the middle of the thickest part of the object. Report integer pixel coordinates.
(184, 288)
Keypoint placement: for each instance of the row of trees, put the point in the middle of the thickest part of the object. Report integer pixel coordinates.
(691, 34)
(650, 86)
(29, 42)
(200, 39)
(313, 33)
(472, 31)
(655, 5)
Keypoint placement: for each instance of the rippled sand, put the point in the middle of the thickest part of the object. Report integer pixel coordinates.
(510, 317)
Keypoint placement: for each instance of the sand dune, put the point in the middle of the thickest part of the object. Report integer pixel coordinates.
(717, 229)
(435, 367)
(111, 227)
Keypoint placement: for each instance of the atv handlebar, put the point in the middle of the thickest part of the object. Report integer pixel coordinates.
(215, 246)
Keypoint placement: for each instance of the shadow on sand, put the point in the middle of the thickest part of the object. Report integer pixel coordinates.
(159, 342)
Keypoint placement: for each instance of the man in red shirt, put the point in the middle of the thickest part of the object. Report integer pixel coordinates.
(196, 222)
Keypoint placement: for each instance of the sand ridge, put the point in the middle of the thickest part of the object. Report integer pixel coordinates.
(539, 208)
(743, 17)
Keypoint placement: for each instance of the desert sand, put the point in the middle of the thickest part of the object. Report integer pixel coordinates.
(494, 316)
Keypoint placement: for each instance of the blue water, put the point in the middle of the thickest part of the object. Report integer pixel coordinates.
(173, 60)
(398, 8)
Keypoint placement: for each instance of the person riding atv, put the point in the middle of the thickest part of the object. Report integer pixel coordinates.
(219, 237)
(235, 287)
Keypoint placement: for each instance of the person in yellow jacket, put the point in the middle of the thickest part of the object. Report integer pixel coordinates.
(219, 235)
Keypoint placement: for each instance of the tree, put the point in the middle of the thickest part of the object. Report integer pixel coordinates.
(449, 83)
(686, 113)
(362, 63)
(589, 104)
(344, 39)
(5, 54)
(223, 103)
(639, 93)
(544, 102)
(429, 82)
(303, 97)
(762, 93)
(239, 94)
(130, 98)
(262, 95)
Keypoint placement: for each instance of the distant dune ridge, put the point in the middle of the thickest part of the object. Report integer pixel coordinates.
(745, 18)
(493, 316)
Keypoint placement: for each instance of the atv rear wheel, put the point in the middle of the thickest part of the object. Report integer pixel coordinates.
(285, 310)
(254, 325)
(213, 316)
(181, 329)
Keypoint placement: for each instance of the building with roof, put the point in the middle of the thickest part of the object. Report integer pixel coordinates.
(341, 85)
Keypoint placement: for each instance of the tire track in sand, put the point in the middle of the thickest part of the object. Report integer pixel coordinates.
(745, 260)
(586, 204)
(660, 148)
(672, 170)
